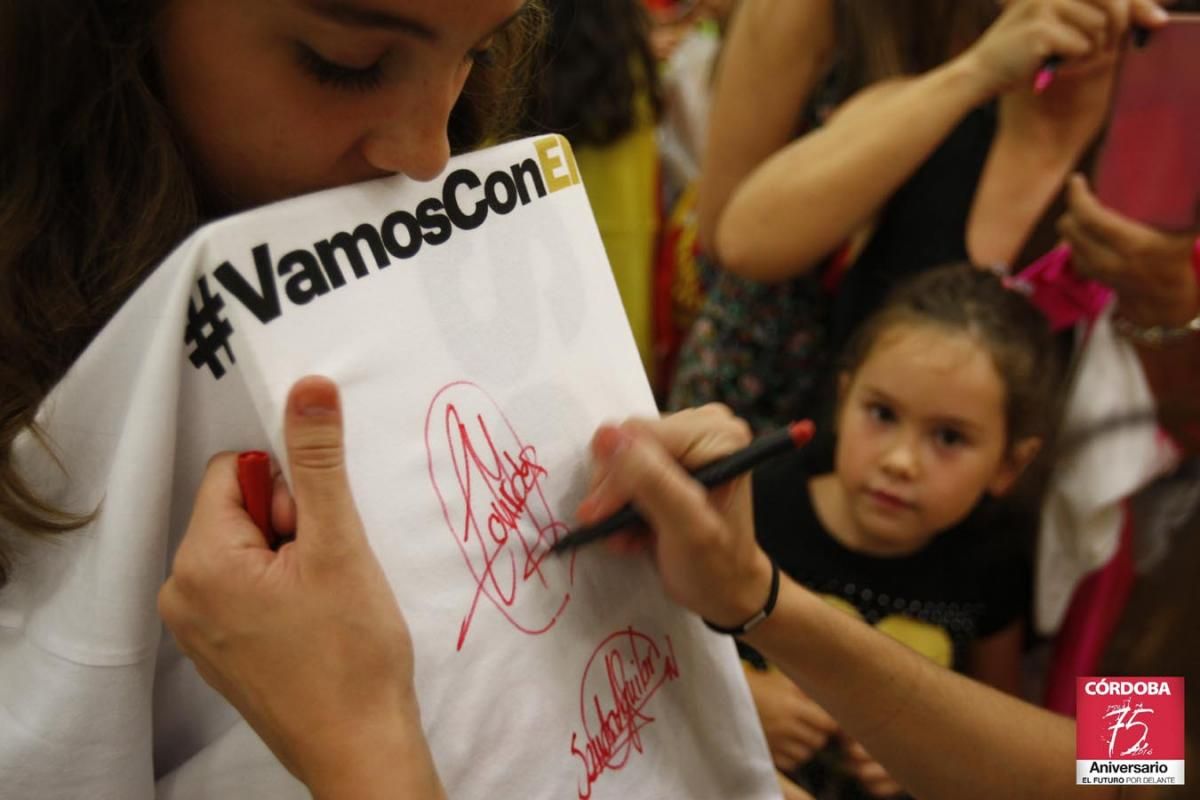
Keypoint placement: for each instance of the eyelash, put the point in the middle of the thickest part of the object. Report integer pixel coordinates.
(364, 79)
(482, 57)
(339, 76)
(948, 437)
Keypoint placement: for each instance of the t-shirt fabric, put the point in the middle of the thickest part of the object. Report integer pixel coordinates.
(970, 582)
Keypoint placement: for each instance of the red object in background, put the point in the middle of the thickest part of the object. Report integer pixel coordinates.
(1091, 619)
(1149, 169)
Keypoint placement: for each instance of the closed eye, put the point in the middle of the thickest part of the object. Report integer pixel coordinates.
(339, 76)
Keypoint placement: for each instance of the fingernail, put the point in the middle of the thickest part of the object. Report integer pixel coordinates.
(610, 441)
(316, 410)
(314, 396)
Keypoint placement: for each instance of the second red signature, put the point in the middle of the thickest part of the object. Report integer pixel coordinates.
(624, 672)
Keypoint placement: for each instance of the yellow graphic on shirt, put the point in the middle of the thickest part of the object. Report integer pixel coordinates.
(928, 639)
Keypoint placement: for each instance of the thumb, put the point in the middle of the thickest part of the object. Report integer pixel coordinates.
(325, 512)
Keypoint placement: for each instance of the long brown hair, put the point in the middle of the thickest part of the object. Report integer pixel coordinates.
(882, 39)
(95, 191)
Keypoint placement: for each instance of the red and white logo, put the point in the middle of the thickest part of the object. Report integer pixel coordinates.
(1129, 731)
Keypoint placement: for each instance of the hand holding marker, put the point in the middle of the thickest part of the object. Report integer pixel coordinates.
(723, 470)
(256, 483)
(1045, 75)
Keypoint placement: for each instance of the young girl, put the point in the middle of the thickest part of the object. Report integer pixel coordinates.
(944, 398)
(124, 126)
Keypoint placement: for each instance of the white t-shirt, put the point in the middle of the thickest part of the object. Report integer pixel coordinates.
(478, 339)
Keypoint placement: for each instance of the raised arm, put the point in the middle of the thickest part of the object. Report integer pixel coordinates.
(775, 53)
(808, 197)
(939, 734)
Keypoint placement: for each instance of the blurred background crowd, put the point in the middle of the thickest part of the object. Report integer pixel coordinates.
(765, 172)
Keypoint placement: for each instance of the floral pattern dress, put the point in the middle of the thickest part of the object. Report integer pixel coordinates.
(759, 348)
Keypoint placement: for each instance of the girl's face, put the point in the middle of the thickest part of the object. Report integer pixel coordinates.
(921, 437)
(274, 98)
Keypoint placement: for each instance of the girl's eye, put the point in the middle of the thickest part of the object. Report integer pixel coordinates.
(949, 437)
(880, 412)
(340, 76)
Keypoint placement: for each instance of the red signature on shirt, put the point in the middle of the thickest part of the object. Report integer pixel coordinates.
(489, 483)
(630, 667)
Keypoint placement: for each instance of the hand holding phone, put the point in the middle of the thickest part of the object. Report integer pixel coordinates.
(1149, 165)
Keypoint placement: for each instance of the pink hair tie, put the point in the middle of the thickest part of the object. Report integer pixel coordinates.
(1056, 290)
(1015, 284)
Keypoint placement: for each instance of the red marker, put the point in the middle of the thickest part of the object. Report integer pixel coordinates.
(722, 470)
(254, 477)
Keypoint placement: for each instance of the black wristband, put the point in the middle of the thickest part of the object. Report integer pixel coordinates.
(754, 621)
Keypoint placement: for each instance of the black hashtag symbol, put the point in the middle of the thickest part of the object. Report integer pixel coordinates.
(209, 331)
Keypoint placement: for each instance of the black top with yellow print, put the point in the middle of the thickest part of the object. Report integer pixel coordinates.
(968, 583)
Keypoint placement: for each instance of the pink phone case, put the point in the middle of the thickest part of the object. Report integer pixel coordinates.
(1149, 167)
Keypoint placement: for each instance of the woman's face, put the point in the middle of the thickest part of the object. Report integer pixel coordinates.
(275, 98)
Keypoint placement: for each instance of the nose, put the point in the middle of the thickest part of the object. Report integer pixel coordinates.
(900, 458)
(412, 139)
